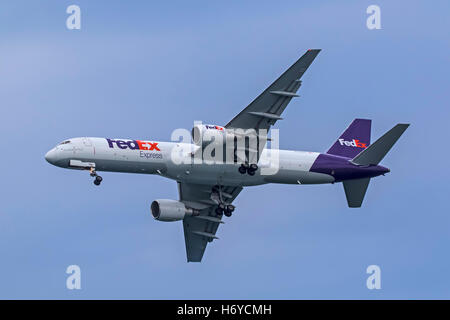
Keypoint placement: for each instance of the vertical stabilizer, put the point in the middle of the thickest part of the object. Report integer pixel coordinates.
(353, 140)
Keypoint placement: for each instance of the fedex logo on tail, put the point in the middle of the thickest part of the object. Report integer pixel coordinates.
(133, 144)
(354, 143)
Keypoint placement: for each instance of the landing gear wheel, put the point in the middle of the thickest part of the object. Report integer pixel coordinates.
(252, 169)
(242, 169)
(219, 211)
(97, 180)
(230, 208)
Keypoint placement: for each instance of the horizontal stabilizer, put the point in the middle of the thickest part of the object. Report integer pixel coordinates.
(377, 150)
(355, 191)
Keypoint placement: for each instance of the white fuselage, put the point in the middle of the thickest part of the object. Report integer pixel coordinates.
(175, 161)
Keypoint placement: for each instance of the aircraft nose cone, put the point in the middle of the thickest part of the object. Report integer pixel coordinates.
(51, 156)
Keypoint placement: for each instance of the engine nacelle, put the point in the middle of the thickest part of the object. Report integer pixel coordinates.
(169, 210)
(203, 134)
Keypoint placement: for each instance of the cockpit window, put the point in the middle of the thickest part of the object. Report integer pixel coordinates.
(65, 142)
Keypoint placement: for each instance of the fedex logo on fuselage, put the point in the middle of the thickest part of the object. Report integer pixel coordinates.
(354, 143)
(133, 144)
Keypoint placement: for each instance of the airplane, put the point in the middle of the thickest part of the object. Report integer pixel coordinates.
(207, 191)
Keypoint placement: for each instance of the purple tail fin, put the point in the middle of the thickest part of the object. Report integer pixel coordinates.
(355, 139)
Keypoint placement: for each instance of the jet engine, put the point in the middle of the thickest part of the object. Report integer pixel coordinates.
(170, 210)
(203, 134)
(242, 145)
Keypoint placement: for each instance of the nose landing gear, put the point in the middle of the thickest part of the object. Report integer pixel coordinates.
(246, 168)
(98, 179)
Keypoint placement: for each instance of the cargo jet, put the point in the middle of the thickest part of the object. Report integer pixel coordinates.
(208, 187)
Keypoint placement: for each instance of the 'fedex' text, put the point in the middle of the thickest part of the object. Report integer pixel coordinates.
(353, 143)
(133, 144)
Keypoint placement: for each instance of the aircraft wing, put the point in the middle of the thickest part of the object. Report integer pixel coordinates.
(201, 229)
(267, 108)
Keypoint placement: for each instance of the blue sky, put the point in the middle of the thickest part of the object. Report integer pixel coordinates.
(141, 69)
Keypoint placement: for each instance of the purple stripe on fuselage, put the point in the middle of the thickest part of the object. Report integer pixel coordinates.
(341, 168)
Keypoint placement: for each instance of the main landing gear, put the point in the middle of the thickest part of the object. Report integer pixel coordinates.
(97, 179)
(226, 209)
(222, 207)
(246, 168)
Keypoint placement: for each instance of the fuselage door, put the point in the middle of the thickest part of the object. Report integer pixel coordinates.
(87, 142)
(88, 148)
